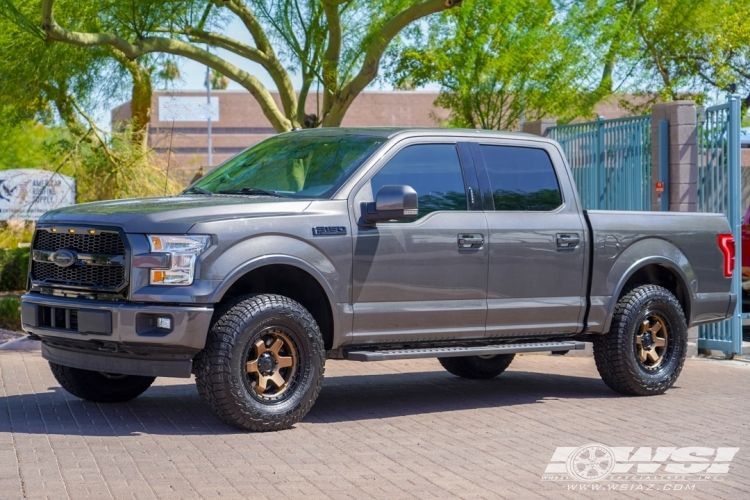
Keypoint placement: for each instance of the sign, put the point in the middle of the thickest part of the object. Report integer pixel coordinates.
(188, 109)
(26, 193)
(659, 187)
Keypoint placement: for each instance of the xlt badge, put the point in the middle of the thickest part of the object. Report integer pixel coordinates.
(329, 231)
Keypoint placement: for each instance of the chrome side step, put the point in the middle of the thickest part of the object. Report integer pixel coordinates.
(452, 352)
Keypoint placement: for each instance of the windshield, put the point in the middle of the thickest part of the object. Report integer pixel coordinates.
(295, 164)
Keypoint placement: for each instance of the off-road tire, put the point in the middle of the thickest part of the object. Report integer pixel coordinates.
(221, 369)
(476, 367)
(100, 387)
(615, 352)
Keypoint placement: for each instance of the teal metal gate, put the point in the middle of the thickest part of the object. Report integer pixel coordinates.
(719, 190)
(610, 161)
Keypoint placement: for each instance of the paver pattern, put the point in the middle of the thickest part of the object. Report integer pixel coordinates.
(379, 430)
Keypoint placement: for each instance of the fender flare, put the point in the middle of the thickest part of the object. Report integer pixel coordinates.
(683, 272)
(267, 260)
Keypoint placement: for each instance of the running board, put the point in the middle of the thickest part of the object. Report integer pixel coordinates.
(452, 352)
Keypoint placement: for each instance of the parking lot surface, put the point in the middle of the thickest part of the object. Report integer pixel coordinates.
(379, 430)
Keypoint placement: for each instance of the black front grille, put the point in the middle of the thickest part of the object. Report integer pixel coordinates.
(103, 243)
(79, 275)
(92, 276)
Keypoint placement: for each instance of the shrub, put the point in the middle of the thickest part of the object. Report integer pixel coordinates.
(14, 266)
(10, 313)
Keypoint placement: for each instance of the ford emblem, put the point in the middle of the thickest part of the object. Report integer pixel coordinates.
(64, 258)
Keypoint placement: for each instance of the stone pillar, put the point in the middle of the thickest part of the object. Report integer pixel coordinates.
(538, 127)
(683, 155)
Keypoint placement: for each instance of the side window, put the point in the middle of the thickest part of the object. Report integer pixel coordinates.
(433, 170)
(521, 178)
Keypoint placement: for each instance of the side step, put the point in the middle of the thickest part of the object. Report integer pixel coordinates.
(452, 352)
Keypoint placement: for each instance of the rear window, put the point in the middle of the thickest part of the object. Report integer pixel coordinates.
(522, 179)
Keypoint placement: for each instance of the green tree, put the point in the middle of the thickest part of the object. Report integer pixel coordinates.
(355, 34)
(497, 63)
(37, 78)
(666, 49)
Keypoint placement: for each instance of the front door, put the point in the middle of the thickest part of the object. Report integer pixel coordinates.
(419, 280)
(536, 238)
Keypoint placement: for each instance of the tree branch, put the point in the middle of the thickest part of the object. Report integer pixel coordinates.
(148, 45)
(374, 53)
(272, 65)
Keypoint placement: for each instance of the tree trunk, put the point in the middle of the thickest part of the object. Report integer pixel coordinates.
(140, 107)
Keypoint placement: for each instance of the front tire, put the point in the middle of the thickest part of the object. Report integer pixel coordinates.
(100, 387)
(477, 367)
(645, 349)
(263, 365)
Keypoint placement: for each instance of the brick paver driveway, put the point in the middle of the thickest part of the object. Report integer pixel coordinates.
(379, 430)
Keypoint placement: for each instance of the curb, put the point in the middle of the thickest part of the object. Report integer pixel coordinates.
(21, 344)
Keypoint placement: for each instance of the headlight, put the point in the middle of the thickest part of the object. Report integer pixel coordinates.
(183, 251)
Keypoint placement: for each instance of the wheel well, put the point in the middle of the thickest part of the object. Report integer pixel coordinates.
(657, 274)
(291, 282)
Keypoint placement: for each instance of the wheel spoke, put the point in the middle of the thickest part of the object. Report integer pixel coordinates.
(639, 339)
(262, 384)
(654, 329)
(642, 355)
(278, 380)
(252, 366)
(660, 342)
(652, 356)
(276, 347)
(285, 361)
(260, 348)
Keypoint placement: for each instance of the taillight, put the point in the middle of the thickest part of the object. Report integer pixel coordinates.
(726, 243)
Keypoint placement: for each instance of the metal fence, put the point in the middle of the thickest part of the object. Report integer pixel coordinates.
(610, 161)
(719, 190)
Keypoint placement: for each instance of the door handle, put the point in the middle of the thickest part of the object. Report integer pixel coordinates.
(466, 241)
(567, 241)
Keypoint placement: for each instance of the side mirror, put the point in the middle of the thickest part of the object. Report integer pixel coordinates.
(392, 202)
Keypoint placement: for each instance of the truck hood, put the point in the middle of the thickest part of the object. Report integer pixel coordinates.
(175, 214)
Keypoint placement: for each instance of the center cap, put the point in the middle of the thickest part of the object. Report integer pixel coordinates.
(266, 363)
(647, 341)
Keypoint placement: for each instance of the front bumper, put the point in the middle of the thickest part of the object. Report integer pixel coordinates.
(118, 337)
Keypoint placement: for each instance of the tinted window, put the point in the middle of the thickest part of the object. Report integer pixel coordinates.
(433, 170)
(521, 178)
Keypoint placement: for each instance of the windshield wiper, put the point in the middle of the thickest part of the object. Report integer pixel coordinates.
(198, 190)
(253, 191)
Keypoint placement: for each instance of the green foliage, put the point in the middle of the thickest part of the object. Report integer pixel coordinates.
(10, 313)
(14, 267)
(497, 63)
(28, 145)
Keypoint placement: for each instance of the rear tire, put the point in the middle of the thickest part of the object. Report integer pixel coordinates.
(477, 367)
(645, 349)
(100, 387)
(263, 364)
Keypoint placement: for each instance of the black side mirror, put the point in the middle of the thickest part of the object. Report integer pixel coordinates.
(392, 202)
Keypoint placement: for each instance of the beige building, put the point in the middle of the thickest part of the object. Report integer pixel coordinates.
(178, 130)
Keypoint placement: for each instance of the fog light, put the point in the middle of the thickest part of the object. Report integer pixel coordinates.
(164, 323)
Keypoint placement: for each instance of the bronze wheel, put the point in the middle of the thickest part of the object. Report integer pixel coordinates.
(652, 341)
(644, 350)
(263, 364)
(272, 364)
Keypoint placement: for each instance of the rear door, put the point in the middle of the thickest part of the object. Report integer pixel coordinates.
(536, 280)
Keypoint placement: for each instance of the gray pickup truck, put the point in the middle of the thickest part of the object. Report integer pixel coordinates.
(367, 245)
